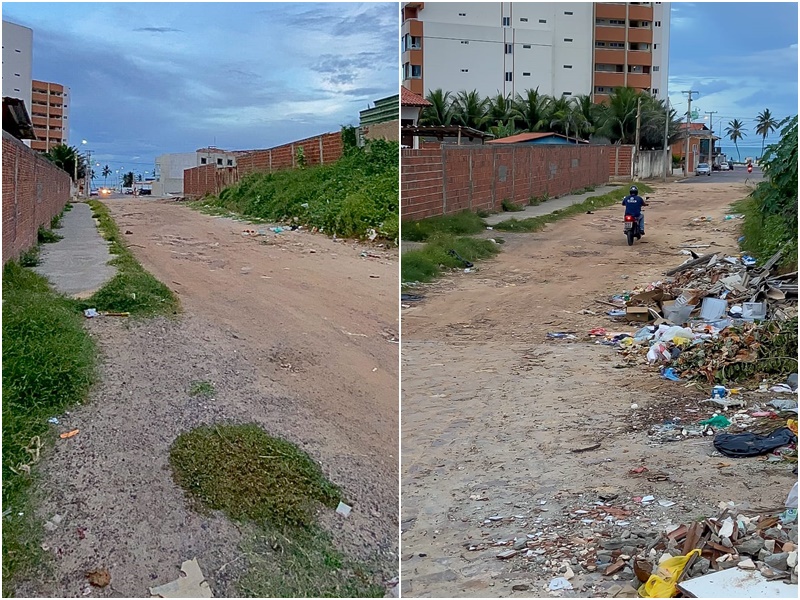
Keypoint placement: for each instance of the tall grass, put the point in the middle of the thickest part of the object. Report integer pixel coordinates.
(347, 198)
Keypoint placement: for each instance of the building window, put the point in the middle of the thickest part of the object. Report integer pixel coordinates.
(230, 162)
(465, 41)
(219, 161)
(202, 161)
(599, 89)
(656, 68)
(16, 89)
(506, 21)
(567, 39)
(655, 46)
(465, 70)
(508, 76)
(509, 48)
(567, 12)
(542, 20)
(616, 44)
(462, 14)
(655, 92)
(567, 66)
(524, 74)
(524, 19)
(16, 50)
(416, 71)
(526, 45)
(566, 93)
(658, 23)
(599, 44)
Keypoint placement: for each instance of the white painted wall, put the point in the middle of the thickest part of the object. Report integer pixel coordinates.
(661, 12)
(464, 47)
(17, 62)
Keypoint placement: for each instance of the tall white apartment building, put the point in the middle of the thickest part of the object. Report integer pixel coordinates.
(563, 48)
(17, 62)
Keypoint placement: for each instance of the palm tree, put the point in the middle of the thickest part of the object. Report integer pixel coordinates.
(469, 110)
(501, 111)
(735, 131)
(441, 111)
(590, 112)
(501, 130)
(64, 157)
(565, 116)
(531, 110)
(765, 124)
(619, 115)
(105, 172)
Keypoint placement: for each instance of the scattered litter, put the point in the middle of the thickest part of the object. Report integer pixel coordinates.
(559, 583)
(69, 434)
(343, 509)
(191, 584)
(561, 335)
(737, 445)
(54, 420)
(90, 313)
(736, 583)
(455, 254)
(669, 373)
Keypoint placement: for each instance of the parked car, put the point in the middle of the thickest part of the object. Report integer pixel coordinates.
(145, 192)
(724, 167)
(94, 192)
(703, 169)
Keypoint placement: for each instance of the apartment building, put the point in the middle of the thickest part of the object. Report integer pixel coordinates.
(563, 48)
(50, 114)
(17, 62)
(170, 167)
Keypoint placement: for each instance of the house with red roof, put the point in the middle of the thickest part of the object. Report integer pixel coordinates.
(700, 138)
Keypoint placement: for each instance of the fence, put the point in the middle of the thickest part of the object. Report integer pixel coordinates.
(451, 179)
(34, 191)
(649, 163)
(210, 179)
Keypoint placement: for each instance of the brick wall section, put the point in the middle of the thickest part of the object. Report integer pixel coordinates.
(388, 130)
(456, 178)
(320, 149)
(34, 191)
(620, 160)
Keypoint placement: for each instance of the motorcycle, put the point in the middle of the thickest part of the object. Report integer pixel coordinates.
(632, 226)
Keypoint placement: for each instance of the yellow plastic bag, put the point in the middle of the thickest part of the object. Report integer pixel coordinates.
(664, 584)
(792, 424)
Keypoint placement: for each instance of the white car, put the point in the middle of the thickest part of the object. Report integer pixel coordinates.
(724, 167)
(703, 169)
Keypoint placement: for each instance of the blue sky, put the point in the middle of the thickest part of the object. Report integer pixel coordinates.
(153, 78)
(741, 57)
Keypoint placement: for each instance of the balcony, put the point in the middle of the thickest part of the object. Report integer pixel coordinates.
(644, 59)
(610, 34)
(609, 57)
(640, 34)
(39, 121)
(606, 79)
(640, 81)
(609, 11)
(412, 56)
(640, 13)
(39, 97)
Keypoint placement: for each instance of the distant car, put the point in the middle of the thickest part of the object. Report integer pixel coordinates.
(703, 169)
(105, 192)
(94, 193)
(145, 192)
(724, 167)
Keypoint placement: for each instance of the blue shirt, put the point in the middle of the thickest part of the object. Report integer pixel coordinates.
(633, 205)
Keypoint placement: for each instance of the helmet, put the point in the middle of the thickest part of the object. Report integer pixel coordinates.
(634, 190)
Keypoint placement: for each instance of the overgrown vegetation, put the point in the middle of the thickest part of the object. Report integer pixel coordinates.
(509, 206)
(463, 223)
(45, 236)
(347, 198)
(132, 289)
(30, 258)
(429, 262)
(592, 203)
(48, 366)
(770, 222)
(275, 489)
(537, 200)
(202, 388)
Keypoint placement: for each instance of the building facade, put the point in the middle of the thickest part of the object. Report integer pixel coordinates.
(17, 63)
(562, 48)
(50, 114)
(170, 167)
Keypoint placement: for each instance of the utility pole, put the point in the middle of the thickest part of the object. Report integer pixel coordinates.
(688, 130)
(638, 129)
(667, 157)
(711, 114)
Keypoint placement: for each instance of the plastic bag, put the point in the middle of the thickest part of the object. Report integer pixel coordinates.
(791, 500)
(663, 584)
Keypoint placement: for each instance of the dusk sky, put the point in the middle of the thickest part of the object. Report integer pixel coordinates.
(155, 78)
(741, 57)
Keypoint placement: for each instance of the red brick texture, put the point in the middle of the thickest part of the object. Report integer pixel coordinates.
(620, 161)
(210, 179)
(456, 178)
(34, 191)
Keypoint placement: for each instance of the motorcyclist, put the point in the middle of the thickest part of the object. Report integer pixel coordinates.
(633, 203)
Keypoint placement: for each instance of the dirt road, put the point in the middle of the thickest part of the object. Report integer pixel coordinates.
(295, 331)
(492, 413)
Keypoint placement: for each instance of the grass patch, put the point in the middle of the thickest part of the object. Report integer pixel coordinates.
(48, 366)
(764, 234)
(55, 222)
(348, 198)
(30, 258)
(202, 388)
(255, 478)
(429, 262)
(132, 289)
(538, 223)
(509, 206)
(463, 223)
(45, 236)
(250, 476)
(537, 200)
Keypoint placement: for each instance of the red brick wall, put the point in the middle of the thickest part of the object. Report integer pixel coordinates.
(620, 160)
(320, 149)
(456, 178)
(34, 191)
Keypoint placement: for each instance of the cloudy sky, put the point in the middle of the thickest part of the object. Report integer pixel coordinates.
(741, 57)
(153, 78)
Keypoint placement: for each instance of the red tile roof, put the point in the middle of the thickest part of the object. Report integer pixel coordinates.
(528, 137)
(409, 98)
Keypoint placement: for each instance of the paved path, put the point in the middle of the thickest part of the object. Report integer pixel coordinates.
(552, 205)
(77, 265)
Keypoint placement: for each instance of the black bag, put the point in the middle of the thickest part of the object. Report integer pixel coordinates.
(740, 445)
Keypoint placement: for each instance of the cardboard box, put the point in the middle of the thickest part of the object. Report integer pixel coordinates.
(639, 313)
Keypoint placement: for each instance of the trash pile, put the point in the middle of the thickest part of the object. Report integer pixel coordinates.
(718, 318)
(628, 547)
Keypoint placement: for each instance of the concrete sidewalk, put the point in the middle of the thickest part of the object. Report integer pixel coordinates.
(77, 265)
(545, 208)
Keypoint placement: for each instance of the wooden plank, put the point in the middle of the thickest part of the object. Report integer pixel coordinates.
(692, 263)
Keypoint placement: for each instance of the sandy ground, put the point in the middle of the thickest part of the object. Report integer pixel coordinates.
(491, 411)
(295, 331)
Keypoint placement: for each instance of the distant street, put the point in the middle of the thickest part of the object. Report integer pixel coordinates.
(740, 175)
